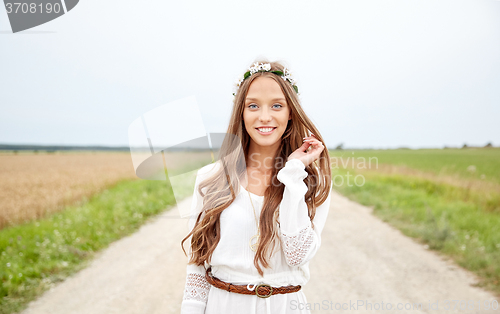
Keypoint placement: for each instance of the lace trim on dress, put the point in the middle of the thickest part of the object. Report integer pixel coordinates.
(296, 247)
(197, 288)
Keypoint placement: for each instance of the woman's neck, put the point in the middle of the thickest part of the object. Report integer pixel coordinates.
(261, 157)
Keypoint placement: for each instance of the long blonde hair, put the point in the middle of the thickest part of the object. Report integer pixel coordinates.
(223, 186)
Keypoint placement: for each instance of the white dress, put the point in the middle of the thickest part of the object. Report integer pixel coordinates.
(232, 259)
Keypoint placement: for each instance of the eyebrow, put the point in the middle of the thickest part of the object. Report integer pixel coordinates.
(274, 99)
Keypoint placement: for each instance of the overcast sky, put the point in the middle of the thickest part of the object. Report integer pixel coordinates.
(379, 74)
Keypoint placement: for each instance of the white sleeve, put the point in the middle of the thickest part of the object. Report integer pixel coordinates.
(299, 240)
(196, 288)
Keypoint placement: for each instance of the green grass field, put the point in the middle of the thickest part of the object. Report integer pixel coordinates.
(445, 161)
(457, 221)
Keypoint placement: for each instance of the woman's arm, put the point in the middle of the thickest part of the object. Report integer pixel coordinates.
(299, 240)
(196, 288)
(195, 291)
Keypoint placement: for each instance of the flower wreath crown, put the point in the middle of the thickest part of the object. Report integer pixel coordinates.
(286, 75)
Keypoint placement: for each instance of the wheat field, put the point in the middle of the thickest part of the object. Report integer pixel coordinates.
(33, 185)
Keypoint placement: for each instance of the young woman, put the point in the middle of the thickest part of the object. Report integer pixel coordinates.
(256, 224)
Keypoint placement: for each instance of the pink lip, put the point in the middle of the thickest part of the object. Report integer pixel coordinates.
(266, 133)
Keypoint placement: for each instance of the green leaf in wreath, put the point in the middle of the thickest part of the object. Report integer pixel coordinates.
(247, 74)
(296, 88)
(277, 72)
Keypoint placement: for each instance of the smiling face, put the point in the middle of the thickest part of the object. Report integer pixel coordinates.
(266, 112)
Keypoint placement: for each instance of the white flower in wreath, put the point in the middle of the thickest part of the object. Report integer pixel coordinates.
(259, 67)
(239, 81)
(235, 90)
(254, 68)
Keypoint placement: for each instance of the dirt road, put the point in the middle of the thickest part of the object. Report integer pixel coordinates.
(362, 259)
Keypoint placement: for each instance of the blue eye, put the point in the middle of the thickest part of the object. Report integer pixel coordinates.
(249, 106)
(278, 105)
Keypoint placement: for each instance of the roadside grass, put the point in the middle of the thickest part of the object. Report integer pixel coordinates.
(437, 215)
(36, 255)
(485, 162)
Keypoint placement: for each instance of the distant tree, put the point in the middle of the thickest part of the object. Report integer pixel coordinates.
(339, 146)
(465, 146)
(488, 145)
(15, 152)
(445, 147)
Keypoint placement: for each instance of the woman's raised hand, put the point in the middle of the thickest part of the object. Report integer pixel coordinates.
(308, 157)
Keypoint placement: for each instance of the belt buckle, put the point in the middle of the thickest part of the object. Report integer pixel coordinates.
(263, 296)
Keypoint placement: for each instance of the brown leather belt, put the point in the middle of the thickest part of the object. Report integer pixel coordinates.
(262, 290)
